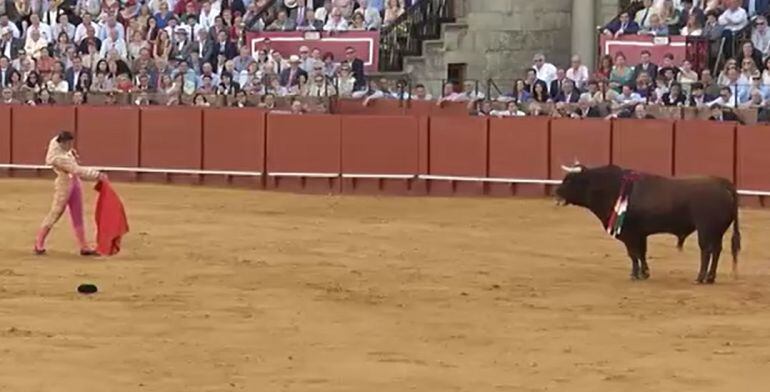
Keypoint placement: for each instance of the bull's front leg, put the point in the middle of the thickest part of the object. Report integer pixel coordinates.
(632, 246)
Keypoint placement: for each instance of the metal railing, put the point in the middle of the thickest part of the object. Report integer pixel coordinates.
(404, 37)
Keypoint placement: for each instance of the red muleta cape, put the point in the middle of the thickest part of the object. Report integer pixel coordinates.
(111, 222)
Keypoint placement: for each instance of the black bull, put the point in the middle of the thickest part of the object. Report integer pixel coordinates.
(656, 205)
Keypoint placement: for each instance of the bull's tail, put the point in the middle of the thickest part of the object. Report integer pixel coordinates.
(735, 247)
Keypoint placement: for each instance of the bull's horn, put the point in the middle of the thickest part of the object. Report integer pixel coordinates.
(568, 169)
(575, 162)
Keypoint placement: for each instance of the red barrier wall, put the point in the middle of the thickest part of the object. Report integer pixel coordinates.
(518, 148)
(392, 107)
(5, 134)
(234, 140)
(588, 141)
(167, 130)
(753, 159)
(379, 145)
(644, 145)
(303, 144)
(32, 127)
(704, 148)
(453, 137)
(455, 146)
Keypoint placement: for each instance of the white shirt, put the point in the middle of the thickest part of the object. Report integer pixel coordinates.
(579, 76)
(734, 20)
(14, 29)
(720, 101)
(45, 31)
(118, 45)
(58, 28)
(80, 31)
(761, 40)
(341, 26)
(207, 19)
(546, 73)
(105, 31)
(507, 113)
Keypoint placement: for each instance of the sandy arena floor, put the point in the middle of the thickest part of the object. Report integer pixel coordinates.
(233, 290)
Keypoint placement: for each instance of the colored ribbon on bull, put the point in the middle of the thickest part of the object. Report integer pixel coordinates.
(618, 214)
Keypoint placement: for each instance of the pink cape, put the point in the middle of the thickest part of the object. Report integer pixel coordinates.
(111, 222)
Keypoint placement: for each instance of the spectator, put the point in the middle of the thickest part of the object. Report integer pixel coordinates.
(320, 87)
(282, 23)
(687, 76)
(592, 87)
(371, 14)
(329, 66)
(36, 25)
(297, 107)
(7, 97)
(290, 76)
(748, 51)
(697, 96)
(5, 24)
(578, 72)
(224, 46)
(734, 19)
(755, 101)
(760, 37)
(336, 22)
(568, 93)
(725, 98)
(63, 26)
(621, 74)
(471, 91)
(645, 65)
(450, 95)
(545, 71)
(623, 25)
(692, 14)
(393, 11)
(521, 93)
(200, 100)
(483, 109)
(640, 112)
(657, 27)
(227, 86)
(310, 22)
(749, 69)
(555, 88)
(357, 23)
(357, 65)
(345, 80)
(712, 29)
(511, 110)
(644, 15)
(5, 71)
(585, 109)
(241, 100)
(420, 93)
(754, 8)
(674, 97)
(10, 45)
(540, 93)
(692, 28)
(628, 98)
(717, 114)
(605, 68)
(671, 17)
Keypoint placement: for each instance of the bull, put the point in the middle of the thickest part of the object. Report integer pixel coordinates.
(634, 205)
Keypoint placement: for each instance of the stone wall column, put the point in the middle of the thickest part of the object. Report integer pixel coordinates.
(584, 31)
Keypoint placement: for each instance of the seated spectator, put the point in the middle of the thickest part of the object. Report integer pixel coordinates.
(320, 87)
(643, 16)
(420, 93)
(687, 75)
(657, 27)
(585, 109)
(577, 72)
(671, 17)
(336, 22)
(674, 97)
(645, 65)
(297, 107)
(200, 100)
(621, 73)
(555, 87)
(393, 10)
(692, 10)
(241, 100)
(698, 97)
(568, 93)
(720, 115)
(738, 84)
(57, 84)
(345, 80)
(640, 113)
(760, 37)
(371, 14)
(44, 98)
(749, 52)
(734, 19)
(668, 66)
(749, 70)
(605, 68)
(450, 95)
(755, 8)
(358, 23)
(539, 93)
(627, 98)
(481, 109)
(623, 25)
(79, 98)
(290, 76)
(227, 86)
(511, 110)
(310, 22)
(755, 101)
(693, 28)
(644, 86)
(545, 71)
(726, 98)
(282, 23)
(329, 65)
(471, 91)
(712, 29)
(592, 87)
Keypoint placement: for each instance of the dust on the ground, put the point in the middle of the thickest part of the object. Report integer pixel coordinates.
(222, 289)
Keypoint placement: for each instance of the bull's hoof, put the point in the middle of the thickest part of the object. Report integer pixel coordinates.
(635, 277)
(711, 279)
(644, 275)
(699, 280)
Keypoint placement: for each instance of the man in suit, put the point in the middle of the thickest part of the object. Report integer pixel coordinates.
(720, 115)
(242, 62)
(555, 87)
(645, 65)
(290, 76)
(282, 23)
(5, 71)
(224, 46)
(72, 75)
(9, 45)
(310, 22)
(585, 110)
(357, 65)
(181, 45)
(203, 47)
(621, 26)
(756, 7)
(568, 93)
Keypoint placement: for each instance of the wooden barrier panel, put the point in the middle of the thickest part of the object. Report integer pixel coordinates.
(108, 135)
(378, 107)
(451, 138)
(303, 144)
(644, 145)
(234, 140)
(586, 140)
(379, 145)
(171, 138)
(518, 148)
(425, 108)
(32, 127)
(5, 135)
(704, 148)
(753, 160)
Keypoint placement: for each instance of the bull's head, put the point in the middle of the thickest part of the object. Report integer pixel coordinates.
(574, 186)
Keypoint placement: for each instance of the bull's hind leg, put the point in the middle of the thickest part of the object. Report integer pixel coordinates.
(717, 250)
(705, 255)
(645, 270)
